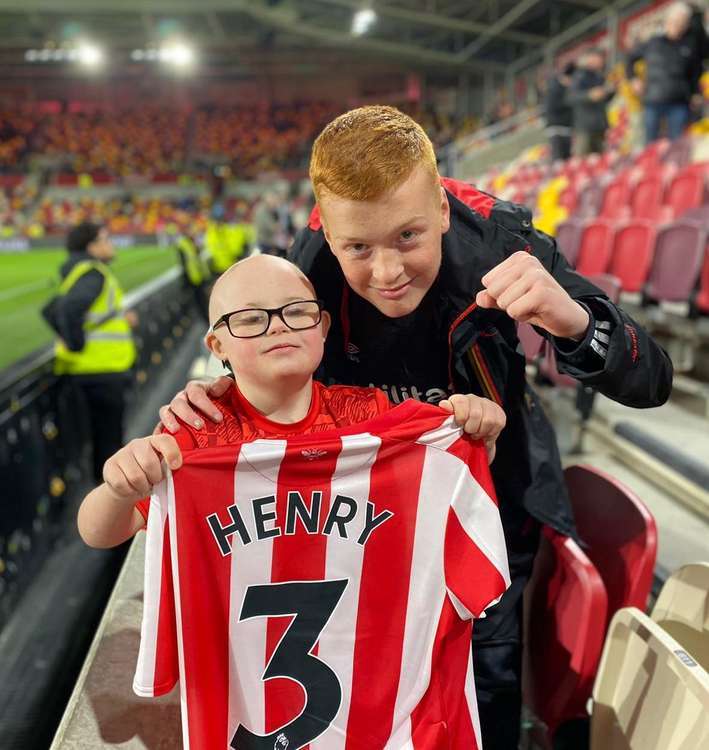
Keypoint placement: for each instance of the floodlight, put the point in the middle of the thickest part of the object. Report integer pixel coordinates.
(90, 55)
(177, 53)
(362, 21)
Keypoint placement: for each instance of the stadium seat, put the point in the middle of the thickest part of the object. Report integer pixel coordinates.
(701, 301)
(607, 283)
(619, 532)
(568, 198)
(646, 200)
(679, 251)
(679, 152)
(682, 609)
(590, 200)
(595, 248)
(616, 199)
(565, 617)
(568, 238)
(687, 190)
(649, 693)
(530, 340)
(633, 250)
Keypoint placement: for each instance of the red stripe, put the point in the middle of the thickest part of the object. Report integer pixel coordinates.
(166, 656)
(206, 669)
(442, 718)
(297, 557)
(486, 370)
(454, 325)
(383, 597)
(470, 574)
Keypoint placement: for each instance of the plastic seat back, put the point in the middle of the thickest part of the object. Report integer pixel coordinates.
(633, 250)
(687, 190)
(530, 340)
(682, 609)
(647, 197)
(595, 248)
(565, 614)
(679, 251)
(616, 200)
(649, 693)
(620, 534)
(568, 239)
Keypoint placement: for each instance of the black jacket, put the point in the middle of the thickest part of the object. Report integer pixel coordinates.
(671, 66)
(557, 109)
(485, 356)
(588, 116)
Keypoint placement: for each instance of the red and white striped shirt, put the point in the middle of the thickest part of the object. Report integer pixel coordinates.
(318, 591)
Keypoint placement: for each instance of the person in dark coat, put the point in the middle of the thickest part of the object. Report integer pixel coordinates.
(558, 113)
(588, 96)
(673, 62)
(426, 280)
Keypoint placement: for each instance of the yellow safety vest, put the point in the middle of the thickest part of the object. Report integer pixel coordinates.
(225, 243)
(195, 268)
(109, 345)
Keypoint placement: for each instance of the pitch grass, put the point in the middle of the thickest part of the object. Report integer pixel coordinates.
(28, 280)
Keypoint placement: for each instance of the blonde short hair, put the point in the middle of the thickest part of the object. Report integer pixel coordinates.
(366, 152)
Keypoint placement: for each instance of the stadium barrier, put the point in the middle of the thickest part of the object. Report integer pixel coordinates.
(44, 437)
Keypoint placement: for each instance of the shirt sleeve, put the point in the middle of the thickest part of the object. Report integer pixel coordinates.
(157, 669)
(475, 556)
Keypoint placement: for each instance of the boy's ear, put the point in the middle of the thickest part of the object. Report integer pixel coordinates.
(212, 342)
(326, 322)
(445, 212)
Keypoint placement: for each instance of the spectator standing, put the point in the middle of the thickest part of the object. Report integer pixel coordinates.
(95, 348)
(267, 222)
(196, 272)
(672, 61)
(588, 95)
(558, 113)
(225, 244)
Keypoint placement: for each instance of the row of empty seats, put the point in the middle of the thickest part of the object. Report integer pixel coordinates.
(579, 597)
(666, 263)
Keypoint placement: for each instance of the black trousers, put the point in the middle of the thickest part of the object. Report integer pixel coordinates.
(105, 403)
(560, 146)
(497, 652)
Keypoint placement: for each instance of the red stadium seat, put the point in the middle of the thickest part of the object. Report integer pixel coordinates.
(565, 620)
(568, 238)
(616, 199)
(568, 198)
(590, 200)
(595, 248)
(608, 284)
(679, 152)
(679, 251)
(633, 250)
(687, 190)
(701, 301)
(646, 200)
(619, 532)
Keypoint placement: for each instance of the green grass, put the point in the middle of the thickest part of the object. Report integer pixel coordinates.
(28, 280)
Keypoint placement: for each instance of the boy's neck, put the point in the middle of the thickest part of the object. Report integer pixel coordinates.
(286, 403)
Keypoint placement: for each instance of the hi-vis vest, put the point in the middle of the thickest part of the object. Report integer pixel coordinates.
(195, 268)
(109, 345)
(225, 244)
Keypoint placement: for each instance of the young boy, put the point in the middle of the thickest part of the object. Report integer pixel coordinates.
(268, 326)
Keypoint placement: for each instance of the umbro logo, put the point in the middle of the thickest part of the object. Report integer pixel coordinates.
(352, 348)
(311, 454)
(281, 742)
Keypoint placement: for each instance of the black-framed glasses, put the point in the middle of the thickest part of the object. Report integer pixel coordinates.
(252, 322)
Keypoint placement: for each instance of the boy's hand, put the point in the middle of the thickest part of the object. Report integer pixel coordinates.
(132, 472)
(194, 403)
(480, 418)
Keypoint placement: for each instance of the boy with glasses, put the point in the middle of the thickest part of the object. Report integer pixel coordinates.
(269, 330)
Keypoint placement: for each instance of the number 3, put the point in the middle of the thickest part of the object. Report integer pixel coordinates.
(312, 603)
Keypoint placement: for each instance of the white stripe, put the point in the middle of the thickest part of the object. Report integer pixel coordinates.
(472, 699)
(344, 560)
(604, 325)
(603, 337)
(144, 679)
(439, 478)
(171, 517)
(479, 517)
(256, 467)
(599, 349)
(443, 436)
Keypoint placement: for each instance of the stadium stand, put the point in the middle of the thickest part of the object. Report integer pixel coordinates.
(649, 693)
